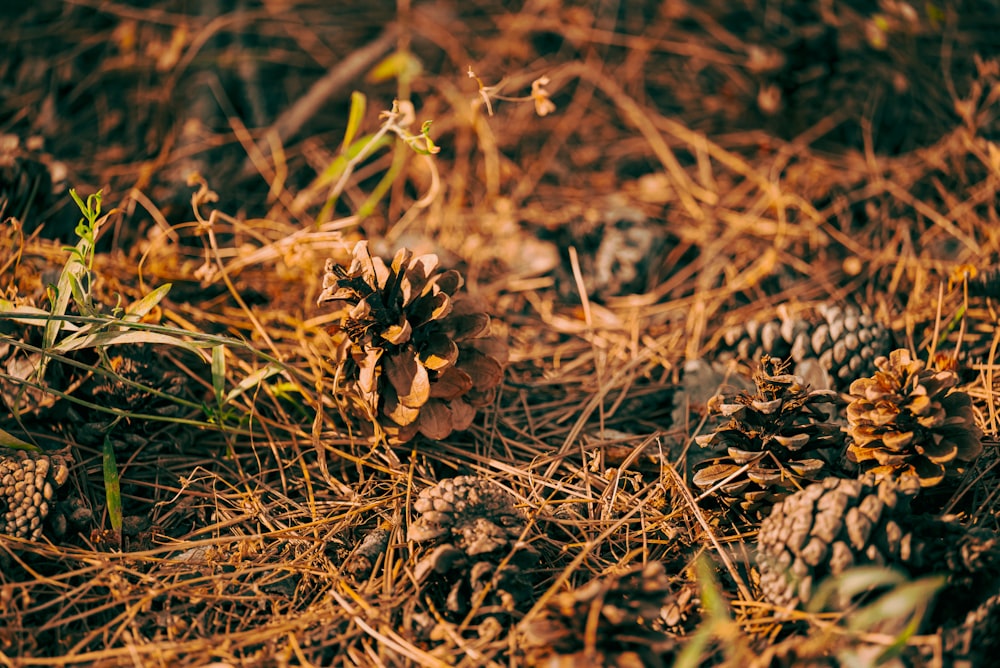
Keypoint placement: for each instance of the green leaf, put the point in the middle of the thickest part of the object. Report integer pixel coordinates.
(33, 316)
(219, 372)
(142, 307)
(359, 104)
(399, 64)
(381, 189)
(112, 484)
(76, 198)
(711, 596)
(691, 655)
(853, 582)
(85, 339)
(253, 380)
(8, 440)
(903, 601)
(716, 616)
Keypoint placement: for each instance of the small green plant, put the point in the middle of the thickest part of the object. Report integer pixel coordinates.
(396, 121)
(900, 606)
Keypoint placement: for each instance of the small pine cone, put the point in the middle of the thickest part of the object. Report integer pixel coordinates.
(619, 250)
(362, 560)
(417, 356)
(472, 527)
(840, 343)
(910, 421)
(618, 614)
(28, 482)
(136, 383)
(781, 434)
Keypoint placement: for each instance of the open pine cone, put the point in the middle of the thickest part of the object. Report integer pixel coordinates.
(472, 528)
(137, 383)
(416, 356)
(911, 421)
(616, 616)
(780, 435)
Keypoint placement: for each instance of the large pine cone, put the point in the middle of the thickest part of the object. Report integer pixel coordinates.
(619, 613)
(781, 435)
(831, 526)
(472, 528)
(137, 383)
(911, 421)
(416, 357)
(28, 481)
(832, 344)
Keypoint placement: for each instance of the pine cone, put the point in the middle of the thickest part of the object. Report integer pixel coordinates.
(472, 527)
(617, 614)
(28, 481)
(910, 421)
(619, 249)
(138, 383)
(827, 528)
(831, 526)
(30, 182)
(976, 640)
(416, 357)
(837, 343)
(781, 434)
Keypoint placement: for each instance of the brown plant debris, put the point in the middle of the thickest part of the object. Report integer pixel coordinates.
(416, 356)
(706, 164)
(908, 420)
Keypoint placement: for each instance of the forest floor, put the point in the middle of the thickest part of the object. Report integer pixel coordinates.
(618, 184)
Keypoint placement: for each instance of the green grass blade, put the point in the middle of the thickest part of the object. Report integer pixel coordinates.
(112, 484)
(219, 373)
(142, 307)
(359, 104)
(252, 381)
(8, 440)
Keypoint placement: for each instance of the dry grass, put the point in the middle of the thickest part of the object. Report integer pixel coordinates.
(874, 183)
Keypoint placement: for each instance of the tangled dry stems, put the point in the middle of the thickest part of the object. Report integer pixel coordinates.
(252, 524)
